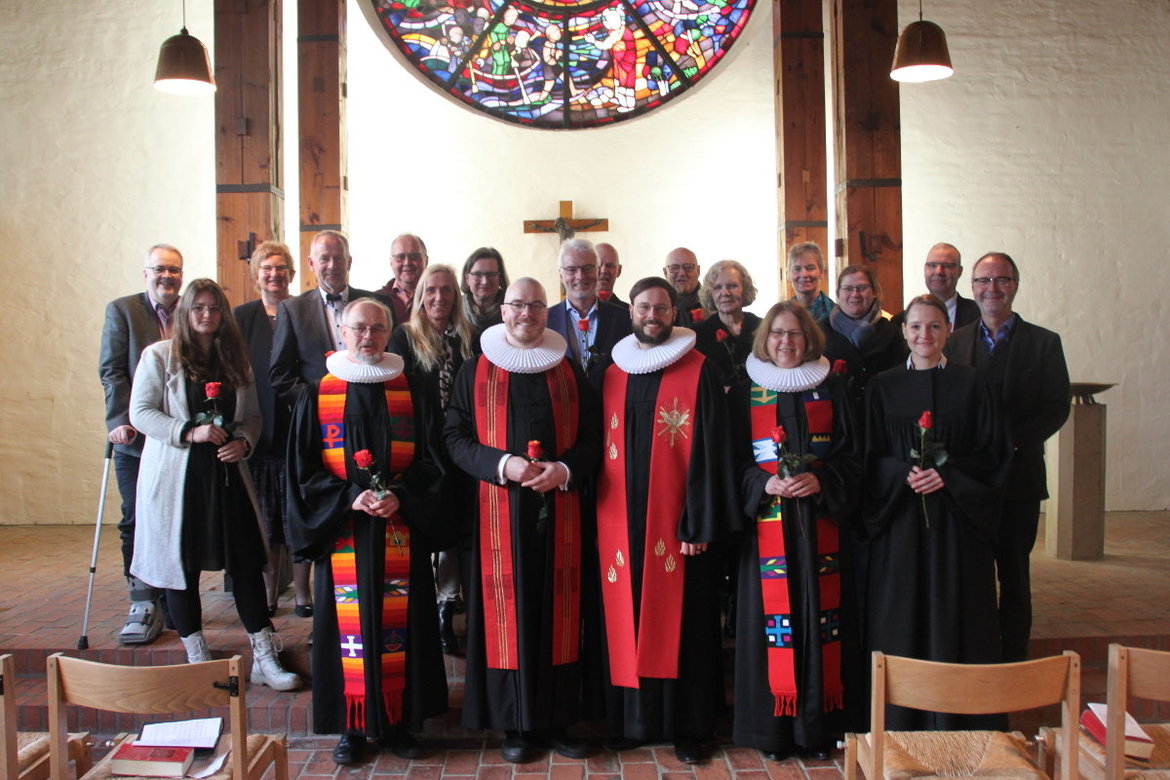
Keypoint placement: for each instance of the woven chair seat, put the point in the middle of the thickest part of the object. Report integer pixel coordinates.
(958, 754)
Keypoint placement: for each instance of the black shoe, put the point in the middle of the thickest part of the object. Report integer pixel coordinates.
(517, 749)
(303, 610)
(620, 744)
(820, 754)
(447, 636)
(350, 749)
(403, 744)
(688, 750)
(775, 755)
(569, 747)
(271, 610)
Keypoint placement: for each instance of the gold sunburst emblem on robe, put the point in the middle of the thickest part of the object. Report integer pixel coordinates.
(670, 564)
(660, 548)
(674, 422)
(613, 421)
(611, 575)
(619, 559)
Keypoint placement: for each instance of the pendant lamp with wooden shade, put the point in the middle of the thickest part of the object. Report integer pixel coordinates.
(183, 65)
(922, 53)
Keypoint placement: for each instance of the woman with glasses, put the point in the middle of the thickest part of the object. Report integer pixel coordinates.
(195, 399)
(797, 629)
(934, 459)
(483, 285)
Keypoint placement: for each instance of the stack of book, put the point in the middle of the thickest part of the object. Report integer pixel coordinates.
(168, 749)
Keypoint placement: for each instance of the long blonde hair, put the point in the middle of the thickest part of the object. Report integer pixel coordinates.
(428, 342)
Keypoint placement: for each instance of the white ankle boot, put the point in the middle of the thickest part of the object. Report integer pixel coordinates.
(266, 668)
(196, 647)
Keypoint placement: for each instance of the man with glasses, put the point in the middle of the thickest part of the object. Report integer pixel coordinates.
(589, 325)
(133, 323)
(364, 491)
(665, 493)
(682, 270)
(523, 424)
(1025, 366)
(309, 325)
(408, 258)
(942, 269)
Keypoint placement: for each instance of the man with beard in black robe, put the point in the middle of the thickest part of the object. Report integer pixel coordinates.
(522, 421)
(666, 492)
(362, 492)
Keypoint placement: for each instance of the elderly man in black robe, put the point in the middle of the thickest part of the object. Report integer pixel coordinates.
(523, 423)
(665, 493)
(362, 492)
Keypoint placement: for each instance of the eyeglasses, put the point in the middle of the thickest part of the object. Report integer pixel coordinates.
(791, 334)
(412, 256)
(855, 288)
(579, 270)
(685, 267)
(274, 269)
(159, 270)
(660, 309)
(999, 281)
(536, 307)
(933, 266)
(200, 308)
(480, 276)
(373, 330)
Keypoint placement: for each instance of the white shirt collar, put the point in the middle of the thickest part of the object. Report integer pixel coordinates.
(806, 376)
(634, 360)
(534, 360)
(910, 363)
(384, 370)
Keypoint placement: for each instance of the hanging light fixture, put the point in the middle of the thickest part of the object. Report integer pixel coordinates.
(922, 53)
(183, 65)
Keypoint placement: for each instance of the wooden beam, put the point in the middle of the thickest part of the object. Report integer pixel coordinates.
(798, 65)
(321, 94)
(867, 140)
(249, 200)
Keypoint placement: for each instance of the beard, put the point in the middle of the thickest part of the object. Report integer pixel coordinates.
(641, 335)
(369, 360)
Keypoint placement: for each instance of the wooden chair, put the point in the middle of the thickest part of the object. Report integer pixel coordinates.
(24, 755)
(1135, 672)
(970, 689)
(160, 690)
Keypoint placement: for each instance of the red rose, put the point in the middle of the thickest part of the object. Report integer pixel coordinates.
(926, 421)
(212, 389)
(697, 314)
(583, 326)
(604, 294)
(721, 335)
(534, 450)
(363, 459)
(840, 367)
(779, 435)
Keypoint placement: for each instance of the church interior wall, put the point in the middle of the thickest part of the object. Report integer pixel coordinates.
(1045, 144)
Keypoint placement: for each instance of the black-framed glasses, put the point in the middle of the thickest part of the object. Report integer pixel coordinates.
(536, 307)
(999, 281)
(159, 270)
(479, 276)
(856, 288)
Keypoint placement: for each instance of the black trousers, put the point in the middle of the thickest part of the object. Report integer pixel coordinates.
(186, 609)
(1017, 536)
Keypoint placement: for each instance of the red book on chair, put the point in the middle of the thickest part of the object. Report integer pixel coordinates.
(151, 761)
(1137, 742)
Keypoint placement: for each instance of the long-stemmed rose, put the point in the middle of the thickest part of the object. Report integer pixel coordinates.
(364, 459)
(535, 455)
(928, 450)
(213, 417)
(789, 464)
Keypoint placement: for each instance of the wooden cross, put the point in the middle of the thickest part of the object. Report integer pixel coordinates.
(564, 225)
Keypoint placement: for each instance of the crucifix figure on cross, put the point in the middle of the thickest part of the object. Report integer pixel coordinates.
(564, 225)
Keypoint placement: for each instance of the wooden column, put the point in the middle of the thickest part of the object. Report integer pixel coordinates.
(249, 200)
(798, 66)
(321, 94)
(867, 141)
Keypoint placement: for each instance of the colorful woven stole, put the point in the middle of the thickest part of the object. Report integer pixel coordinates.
(651, 648)
(495, 522)
(774, 567)
(390, 647)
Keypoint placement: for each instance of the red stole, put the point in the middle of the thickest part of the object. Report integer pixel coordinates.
(649, 649)
(495, 521)
(775, 567)
(390, 647)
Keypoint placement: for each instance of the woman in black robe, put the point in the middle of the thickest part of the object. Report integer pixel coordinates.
(788, 373)
(726, 337)
(931, 517)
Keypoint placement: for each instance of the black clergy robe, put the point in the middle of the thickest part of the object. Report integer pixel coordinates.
(932, 587)
(319, 511)
(839, 472)
(537, 695)
(686, 707)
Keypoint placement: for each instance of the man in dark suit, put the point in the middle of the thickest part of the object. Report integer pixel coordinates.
(682, 269)
(1025, 366)
(132, 324)
(590, 325)
(609, 268)
(942, 269)
(309, 325)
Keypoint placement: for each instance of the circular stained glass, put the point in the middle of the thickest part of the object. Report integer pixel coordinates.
(563, 63)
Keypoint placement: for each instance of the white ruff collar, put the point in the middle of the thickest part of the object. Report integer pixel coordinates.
(806, 376)
(634, 360)
(534, 360)
(384, 370)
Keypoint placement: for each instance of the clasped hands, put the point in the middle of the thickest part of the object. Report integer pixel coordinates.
(540, 475)
(802, 485)
(368, 502)
(924, 480)
(230, 450)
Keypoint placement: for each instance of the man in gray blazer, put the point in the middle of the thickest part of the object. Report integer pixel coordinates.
(133, 323)
(1025, 367)
(590, 325)
(308, 326)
